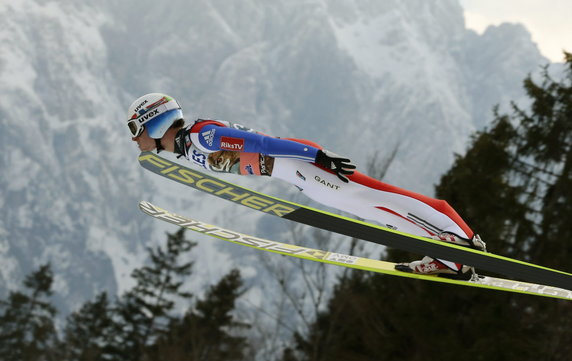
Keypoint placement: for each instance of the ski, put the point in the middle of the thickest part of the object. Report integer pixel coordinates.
(354, 228)
(344, 260)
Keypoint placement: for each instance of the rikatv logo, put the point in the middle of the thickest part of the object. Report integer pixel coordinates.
(230, 143)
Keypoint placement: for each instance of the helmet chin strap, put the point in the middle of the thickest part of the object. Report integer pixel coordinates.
(158, 145)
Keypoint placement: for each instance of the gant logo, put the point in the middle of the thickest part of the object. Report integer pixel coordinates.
(327, 184)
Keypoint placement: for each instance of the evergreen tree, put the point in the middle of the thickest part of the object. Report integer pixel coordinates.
(27, 331)
(88, 332)
(513, 186)
(480, 188)
(144, 312)
(210, 331)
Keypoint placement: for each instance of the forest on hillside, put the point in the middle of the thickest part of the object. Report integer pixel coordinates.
(513, 185)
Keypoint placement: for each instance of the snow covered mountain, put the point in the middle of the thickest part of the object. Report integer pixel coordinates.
(361, 78)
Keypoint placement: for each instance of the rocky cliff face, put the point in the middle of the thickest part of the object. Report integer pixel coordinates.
(362, 78)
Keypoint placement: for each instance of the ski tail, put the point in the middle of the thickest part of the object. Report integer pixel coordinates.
(344, 260)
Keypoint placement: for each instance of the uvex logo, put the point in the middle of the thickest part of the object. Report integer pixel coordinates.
(148, 115)
(140, 105)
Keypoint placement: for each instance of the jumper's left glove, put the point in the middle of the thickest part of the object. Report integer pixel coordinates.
(339, 165)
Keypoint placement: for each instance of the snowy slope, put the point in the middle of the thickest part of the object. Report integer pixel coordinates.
(362, 78)
(66, 190)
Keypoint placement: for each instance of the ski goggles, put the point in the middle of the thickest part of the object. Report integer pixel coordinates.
(154, 118)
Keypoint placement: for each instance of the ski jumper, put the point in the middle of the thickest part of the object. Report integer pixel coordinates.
(222, 146)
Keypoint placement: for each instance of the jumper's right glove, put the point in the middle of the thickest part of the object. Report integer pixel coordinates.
(339, 165)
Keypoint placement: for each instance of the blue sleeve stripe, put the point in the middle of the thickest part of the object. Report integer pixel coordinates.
(257, 143)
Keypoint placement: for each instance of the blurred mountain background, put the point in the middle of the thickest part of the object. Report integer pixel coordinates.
(404, 81)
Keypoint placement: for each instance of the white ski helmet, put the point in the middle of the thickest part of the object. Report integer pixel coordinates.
(155, 112)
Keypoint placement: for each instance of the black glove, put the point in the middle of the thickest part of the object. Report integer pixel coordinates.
(339, 165)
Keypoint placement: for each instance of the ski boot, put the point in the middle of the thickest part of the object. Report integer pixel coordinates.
(431, 266)
(476, 242)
